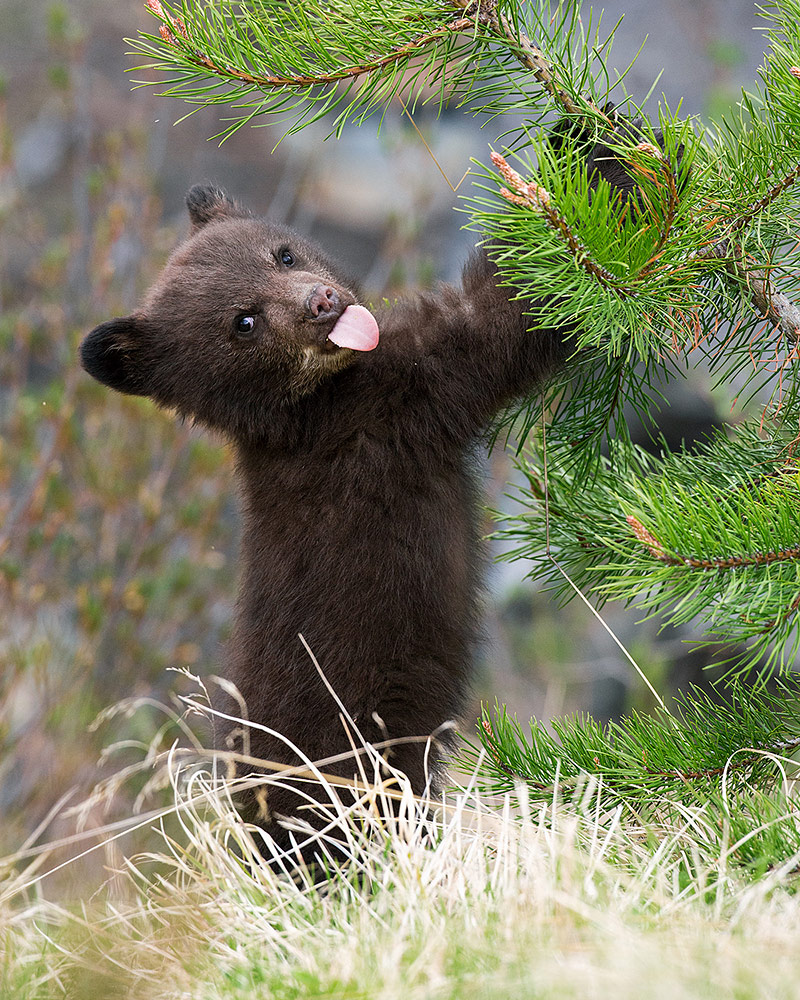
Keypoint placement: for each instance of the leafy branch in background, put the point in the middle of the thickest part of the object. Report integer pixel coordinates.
(701, 266)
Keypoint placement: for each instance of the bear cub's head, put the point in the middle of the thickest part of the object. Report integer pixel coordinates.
(246, 316)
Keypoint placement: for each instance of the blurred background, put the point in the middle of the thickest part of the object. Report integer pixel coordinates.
(118, 525)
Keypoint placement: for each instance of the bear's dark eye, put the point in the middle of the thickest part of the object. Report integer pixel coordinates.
(286, 258)
(245, 325)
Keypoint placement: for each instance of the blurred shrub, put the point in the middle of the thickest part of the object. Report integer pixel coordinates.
(116, 537)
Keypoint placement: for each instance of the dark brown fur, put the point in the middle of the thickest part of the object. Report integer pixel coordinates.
(359, 507)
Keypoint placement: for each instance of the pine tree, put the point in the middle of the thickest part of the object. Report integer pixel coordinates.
(702, 265)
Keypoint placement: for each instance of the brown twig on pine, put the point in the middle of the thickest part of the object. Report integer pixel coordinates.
(761, 203)
(773, 305)
(741, 763)
(672, 199)
(791, 610)
(659, 552)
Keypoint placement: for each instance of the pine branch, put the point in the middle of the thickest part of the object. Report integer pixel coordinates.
(308, 49)
(709, 775)
(174, 33)
(659, 758)
(710, 536)
(657, 551)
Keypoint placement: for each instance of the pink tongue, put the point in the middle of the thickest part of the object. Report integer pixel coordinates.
(356, 328)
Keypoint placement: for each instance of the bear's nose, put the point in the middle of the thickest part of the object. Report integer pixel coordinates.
(322, 300)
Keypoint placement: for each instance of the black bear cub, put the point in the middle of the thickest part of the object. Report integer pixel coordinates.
(352, 437)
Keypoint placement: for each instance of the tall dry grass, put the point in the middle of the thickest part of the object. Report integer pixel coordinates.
(468, 897)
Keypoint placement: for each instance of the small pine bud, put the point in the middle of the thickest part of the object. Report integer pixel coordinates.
(795, 71)
(651, 150)
(515, 199)
(511, 175)
(538, 194)
(490, 747)
(648, 540)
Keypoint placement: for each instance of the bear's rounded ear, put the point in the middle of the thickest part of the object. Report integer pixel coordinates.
(110, 353)
(207, 202)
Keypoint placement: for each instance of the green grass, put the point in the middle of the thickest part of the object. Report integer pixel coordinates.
(479, 898)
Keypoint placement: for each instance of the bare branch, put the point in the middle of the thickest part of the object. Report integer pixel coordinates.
(774, 305)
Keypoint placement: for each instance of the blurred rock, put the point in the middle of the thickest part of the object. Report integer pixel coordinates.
(41, 150)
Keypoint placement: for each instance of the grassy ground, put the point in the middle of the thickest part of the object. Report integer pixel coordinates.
(484, 898)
